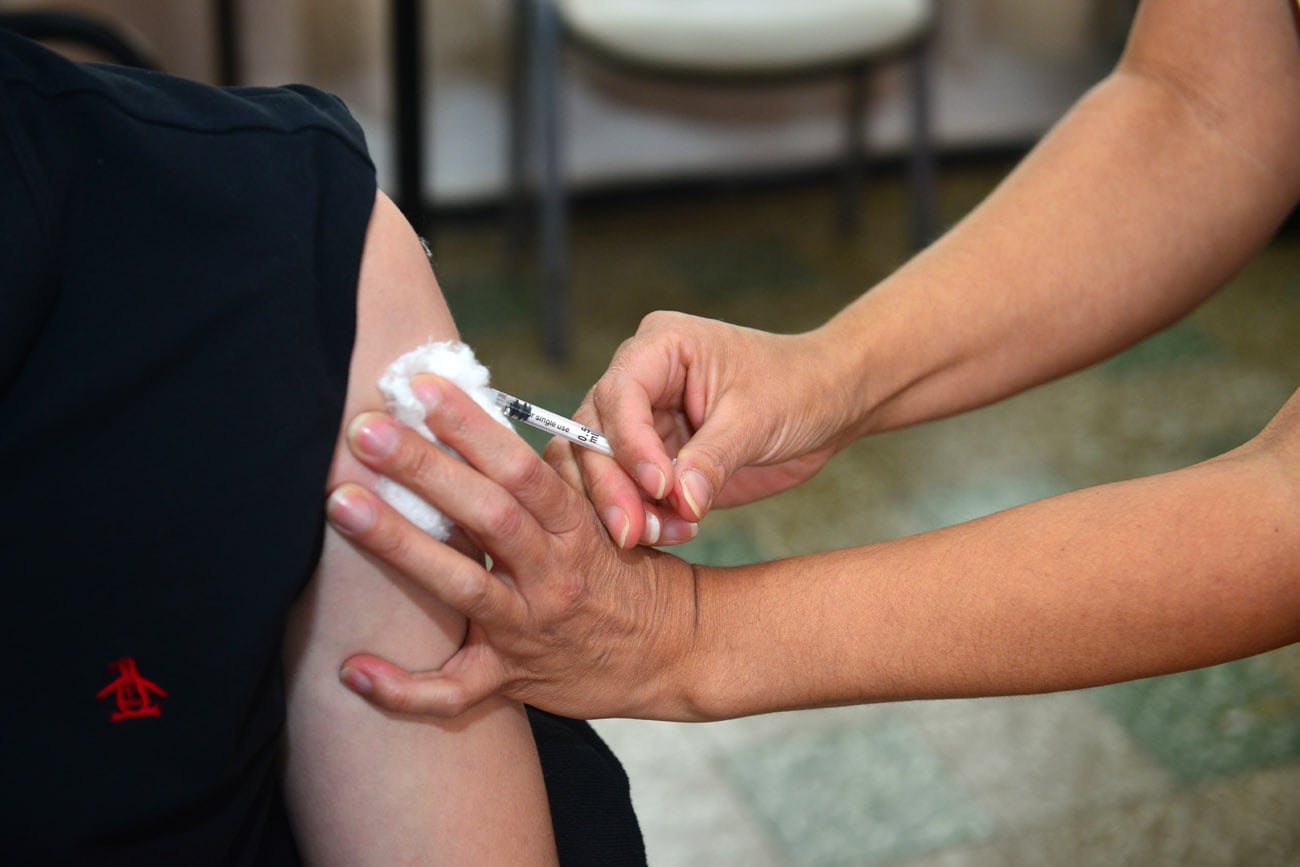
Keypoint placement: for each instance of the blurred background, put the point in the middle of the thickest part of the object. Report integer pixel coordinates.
(1005, 69)
(723, 203)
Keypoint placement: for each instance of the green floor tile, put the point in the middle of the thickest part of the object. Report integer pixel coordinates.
(1228, 719)
(485, 302)
(1229, 437)
(1293, 289)
(1175, 346)
(856, 797)
(719, 548)
(947, 506)
(725, 269)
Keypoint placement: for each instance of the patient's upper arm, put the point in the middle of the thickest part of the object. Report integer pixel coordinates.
(364, 786)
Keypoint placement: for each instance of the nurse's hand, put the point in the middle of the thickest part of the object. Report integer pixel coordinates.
(703, 414)
(561, 619)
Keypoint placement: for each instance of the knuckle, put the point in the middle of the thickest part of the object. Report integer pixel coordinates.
(557, 452)
(606, 391)
(475, 594)
(570, 467)
(525, 475)
(389, 540)
(416, 460)
(502, 518)
(658, 319)
(586, 413)
(450, 420)
(397, 699)
(710, 458)
(571, 592)
(454, 424)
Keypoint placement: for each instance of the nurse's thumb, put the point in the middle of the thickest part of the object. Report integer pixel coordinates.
(705, 464)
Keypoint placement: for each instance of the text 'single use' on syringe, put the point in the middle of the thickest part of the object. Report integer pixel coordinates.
(545, 420)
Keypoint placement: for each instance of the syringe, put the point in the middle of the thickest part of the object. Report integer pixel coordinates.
(544, 420)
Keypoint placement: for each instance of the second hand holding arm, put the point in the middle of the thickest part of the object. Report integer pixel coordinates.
(557, 587)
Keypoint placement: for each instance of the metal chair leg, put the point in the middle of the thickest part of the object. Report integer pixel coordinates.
(230, 61)
(404, 28)
(552, 207)
(921, 161)
(519, 120)
(853, 169)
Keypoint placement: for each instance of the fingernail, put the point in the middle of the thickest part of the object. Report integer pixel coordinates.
(374, 434)
(349, 513)
(652, 528)
(427, 392)
(356, 681)
(651, 479)
(617, 524)
(677, 531)
(696, 490)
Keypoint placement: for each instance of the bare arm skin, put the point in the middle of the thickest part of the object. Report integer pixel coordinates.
(1128, 580)
(1153, 191)
(364, 786)
(1148, 195)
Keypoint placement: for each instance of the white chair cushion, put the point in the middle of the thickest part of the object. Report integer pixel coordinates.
(745, 36)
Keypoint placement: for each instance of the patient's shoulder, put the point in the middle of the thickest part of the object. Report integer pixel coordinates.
(399, 307)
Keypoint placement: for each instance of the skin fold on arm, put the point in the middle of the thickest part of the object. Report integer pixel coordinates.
(366, 786)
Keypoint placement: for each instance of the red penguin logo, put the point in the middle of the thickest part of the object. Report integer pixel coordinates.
(135, 694)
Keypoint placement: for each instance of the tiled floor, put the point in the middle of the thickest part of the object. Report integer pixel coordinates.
(1195, 769)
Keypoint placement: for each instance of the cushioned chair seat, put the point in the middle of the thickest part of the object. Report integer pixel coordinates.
(745, 37)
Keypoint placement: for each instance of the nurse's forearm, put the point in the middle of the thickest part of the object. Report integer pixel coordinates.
(1122, 581)
(1148, 196)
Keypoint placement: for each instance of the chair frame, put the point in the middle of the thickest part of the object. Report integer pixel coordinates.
(539, 39)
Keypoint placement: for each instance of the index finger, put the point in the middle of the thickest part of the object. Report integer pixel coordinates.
(459, 582)
(644, 375)
(498, 453)
(641, 468)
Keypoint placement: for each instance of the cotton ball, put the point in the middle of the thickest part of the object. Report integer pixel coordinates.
(454, 361)
(409, 505)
